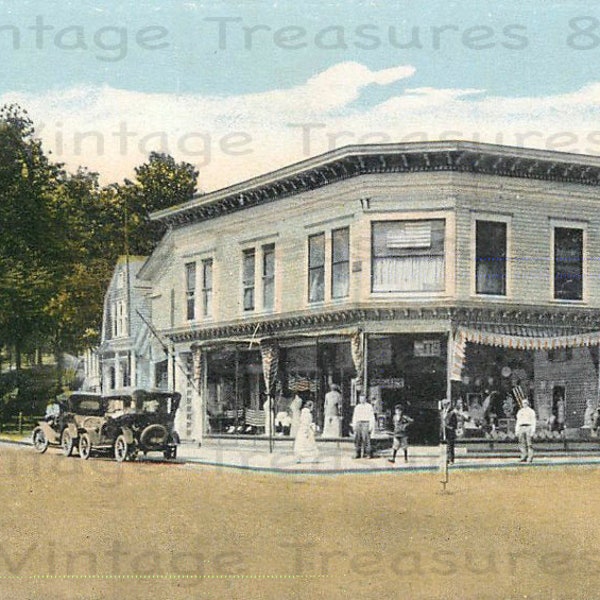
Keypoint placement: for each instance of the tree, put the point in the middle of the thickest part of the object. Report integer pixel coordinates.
(160, 183)
(28, 244)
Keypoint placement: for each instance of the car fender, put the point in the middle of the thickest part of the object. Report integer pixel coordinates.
(128, 435)
(72, 429)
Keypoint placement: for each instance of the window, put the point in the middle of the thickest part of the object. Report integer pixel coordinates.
(340, 262)
(207, 287)
(568, 263)
(115, 319)
(490, 257)
(248, 279)
(316, 268)
(408, 256)
(268, 275)
(190, 290)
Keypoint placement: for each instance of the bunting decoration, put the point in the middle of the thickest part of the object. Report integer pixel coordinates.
(197, 367)
(517, 342)
(458, 356)
(358, 354)
(269, 352)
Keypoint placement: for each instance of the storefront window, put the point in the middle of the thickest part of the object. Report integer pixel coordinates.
(316, 268)
(490, 259)
(568, 263)
(408, 256)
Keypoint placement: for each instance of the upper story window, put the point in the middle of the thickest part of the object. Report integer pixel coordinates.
(408, 256)
(568, 263)
(490, 257)
(119, 319)
(249, 270)
(190, 290)
(340, 262)
(268, 275)
(316, 267)
(207, 287)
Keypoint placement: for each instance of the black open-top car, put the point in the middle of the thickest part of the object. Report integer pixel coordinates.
(133, 423)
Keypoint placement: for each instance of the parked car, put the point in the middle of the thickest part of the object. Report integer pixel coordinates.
(62, 429)
(140, 422)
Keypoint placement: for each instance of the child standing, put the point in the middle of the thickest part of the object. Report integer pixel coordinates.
(401, 422)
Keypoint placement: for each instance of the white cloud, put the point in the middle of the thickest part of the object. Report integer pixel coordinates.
(112, 130)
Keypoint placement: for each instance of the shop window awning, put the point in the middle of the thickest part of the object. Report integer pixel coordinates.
(517, 338)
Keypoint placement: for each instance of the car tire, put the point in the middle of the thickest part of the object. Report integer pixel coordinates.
(40, 441)
(85, 446)
(67, 443)
(121, 448)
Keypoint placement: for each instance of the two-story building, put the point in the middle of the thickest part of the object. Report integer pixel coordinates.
(410, 271)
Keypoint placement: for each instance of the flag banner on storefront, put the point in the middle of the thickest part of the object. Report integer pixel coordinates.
(358, 354)
(516, 342)
(269, 352)
(197, 367)
(458, 356)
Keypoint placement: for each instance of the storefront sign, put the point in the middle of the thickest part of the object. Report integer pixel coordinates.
(428, 348)
(393, 383)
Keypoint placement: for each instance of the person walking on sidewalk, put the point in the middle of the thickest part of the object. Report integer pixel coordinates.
(363, 425)
(525, 429)
(450, 422)
(401, 423)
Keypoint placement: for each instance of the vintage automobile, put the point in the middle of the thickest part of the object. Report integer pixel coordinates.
(74, 411)
(132, 423)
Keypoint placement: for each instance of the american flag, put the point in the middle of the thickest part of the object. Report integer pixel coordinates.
(518, 395)
(412, 235)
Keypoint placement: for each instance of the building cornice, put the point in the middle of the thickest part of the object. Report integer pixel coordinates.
(516, 320)
(354, 161)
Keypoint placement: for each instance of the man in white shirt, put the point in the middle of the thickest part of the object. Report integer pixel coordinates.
(525, 429)
(363, 424)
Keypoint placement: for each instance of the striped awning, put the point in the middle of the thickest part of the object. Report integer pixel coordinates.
(539, 339)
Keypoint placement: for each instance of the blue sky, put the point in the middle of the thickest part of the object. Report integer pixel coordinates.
(226, 84)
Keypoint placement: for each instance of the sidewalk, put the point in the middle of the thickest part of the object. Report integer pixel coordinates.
(338, 457)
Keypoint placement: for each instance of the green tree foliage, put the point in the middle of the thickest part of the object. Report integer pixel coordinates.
(62, 233)
(29, 240)
(161, 182)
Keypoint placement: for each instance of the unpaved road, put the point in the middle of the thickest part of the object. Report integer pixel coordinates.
(99, 530)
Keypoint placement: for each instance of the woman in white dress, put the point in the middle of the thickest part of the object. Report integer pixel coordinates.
(295, 407)
(305, 446)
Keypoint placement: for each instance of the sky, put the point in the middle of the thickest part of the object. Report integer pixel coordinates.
(243, 87)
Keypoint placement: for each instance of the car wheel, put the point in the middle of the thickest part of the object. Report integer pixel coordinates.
(85, 446)
(40, 441)
(121, 448)
(66, 441)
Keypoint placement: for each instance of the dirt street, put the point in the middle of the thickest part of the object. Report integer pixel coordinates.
(100, 530)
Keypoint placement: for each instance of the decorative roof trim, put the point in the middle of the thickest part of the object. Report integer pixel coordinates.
(354, 161)
(513, 320)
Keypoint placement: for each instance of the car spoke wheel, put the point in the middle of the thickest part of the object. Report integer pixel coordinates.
(66, 441)
(85, 446)
(40, 441)
(121, 448)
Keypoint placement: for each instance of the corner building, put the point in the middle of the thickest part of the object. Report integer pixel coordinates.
(411, 271)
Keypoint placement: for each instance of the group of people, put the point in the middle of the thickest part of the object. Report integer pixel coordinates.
(525, 426)
(303, 428)
(363, 426)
